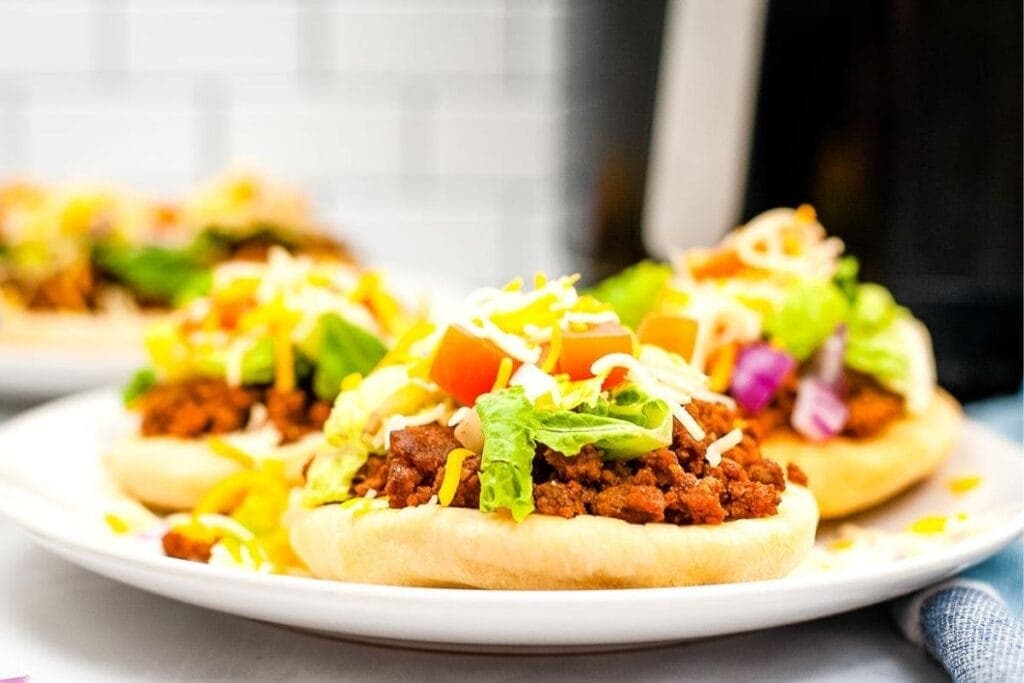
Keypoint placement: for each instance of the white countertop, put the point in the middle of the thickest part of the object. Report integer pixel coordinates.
(61, 623)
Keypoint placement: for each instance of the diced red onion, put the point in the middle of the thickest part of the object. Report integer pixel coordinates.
(819, 412)
(828, 361)
(759, 371)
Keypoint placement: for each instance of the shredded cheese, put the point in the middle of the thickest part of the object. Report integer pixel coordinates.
(459, 415)
(504, 374)
(351, 381)
(230, 451)
(722, 367)
(718, 447)
(554, 351)
(452, 475)
(932, 524)
(962, 485)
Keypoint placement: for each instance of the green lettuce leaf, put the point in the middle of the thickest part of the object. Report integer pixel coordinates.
(810, 313)
(168, 276)
(628, 425)
(506, 465)
(845, 276)
(141, 382)
(633, 291)
(339, 349)
(875, 342)
(258, 363)
(880, 354)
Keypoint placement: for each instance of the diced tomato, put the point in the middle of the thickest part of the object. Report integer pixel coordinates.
(466, 366)
(581, 349)
(721, 263)
(673, 333)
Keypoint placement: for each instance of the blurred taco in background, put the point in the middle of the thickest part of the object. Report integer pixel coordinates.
(247, 373)
(80, 264)
(532, 444)
(830, 371)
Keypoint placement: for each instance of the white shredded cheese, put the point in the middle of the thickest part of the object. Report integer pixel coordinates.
(459, 415)
(535, 382)
(718, 447)
(663, 376)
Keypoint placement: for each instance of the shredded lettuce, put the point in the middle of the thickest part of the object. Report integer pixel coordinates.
(876, 343)
(387, 391)
(810, 313)
(627, 425)
(141, 382)
(329, 477)
(633, 291)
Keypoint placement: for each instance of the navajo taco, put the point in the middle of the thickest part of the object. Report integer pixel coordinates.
(532, 444)
(831, 372)
(86, 265)
(247, 373)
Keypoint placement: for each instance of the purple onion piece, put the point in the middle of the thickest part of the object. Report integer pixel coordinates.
(819, 412)
(828, 360)
(758, 373)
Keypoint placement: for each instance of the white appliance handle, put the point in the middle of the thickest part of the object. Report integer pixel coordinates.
(700, 144)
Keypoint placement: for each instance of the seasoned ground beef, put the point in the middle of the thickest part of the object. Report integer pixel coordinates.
(210, 406)
(416, 467)
(871, 406)
(257, 248)
(673, 484)
(295, 413)
(177, 544)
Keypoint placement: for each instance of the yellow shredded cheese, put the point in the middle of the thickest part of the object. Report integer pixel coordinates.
(932, 524)
(230, 451)
(229, 493)
(554, 351)
(515, 285)
(539, 280)
(504, 374)
(721, 370)
(452, 475)
(840, 544)
(117, 524)
(351, 381)
(962, 485)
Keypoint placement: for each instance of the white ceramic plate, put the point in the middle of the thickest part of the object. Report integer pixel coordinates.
(51, 484)
(33, 374)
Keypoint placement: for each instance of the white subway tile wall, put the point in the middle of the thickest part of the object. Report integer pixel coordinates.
(432, 132)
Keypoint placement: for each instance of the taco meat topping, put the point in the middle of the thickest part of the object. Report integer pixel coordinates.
(198, 407)
(871, 406)
(185, 547)
(673, 484)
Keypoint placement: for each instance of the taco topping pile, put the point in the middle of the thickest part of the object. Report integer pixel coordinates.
(95, 248)
(779, 321)
(541, 402)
